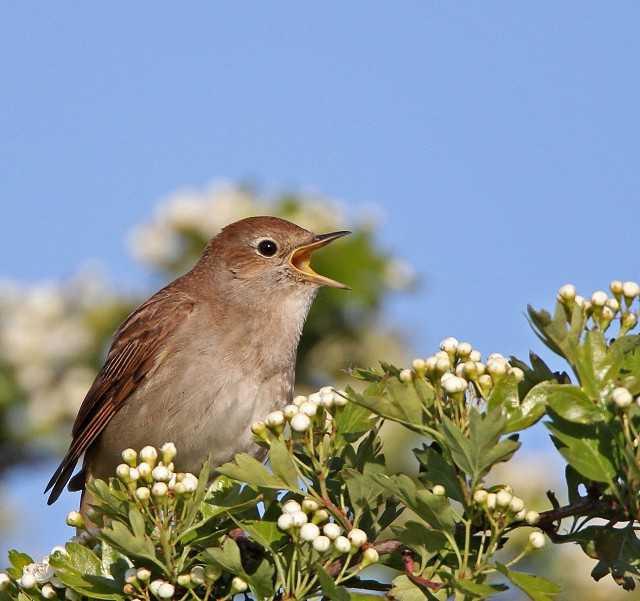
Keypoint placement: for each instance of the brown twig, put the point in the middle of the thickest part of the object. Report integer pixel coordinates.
(407, 559)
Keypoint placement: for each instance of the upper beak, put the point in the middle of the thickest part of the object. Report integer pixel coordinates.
(300, 259)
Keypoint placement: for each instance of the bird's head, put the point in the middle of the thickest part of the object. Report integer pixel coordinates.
(269, 252)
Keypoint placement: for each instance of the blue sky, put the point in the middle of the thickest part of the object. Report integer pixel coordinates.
(499, 139)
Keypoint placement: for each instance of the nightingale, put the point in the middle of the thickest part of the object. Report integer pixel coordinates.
(205, 356)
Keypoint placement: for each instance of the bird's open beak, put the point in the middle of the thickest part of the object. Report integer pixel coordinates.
(300, 259)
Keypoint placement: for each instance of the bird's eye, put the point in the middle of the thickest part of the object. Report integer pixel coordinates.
(267, 248)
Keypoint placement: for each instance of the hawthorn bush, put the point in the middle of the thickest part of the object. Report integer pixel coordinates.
(325, 514)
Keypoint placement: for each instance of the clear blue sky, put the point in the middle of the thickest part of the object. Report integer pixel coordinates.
(499, 138)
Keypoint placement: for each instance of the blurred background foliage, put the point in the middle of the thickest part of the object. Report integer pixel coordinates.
(53, 338)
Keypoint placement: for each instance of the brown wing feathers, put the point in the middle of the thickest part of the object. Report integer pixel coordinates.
(136, 350)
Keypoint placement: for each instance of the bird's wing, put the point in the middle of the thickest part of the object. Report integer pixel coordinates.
(139, 347)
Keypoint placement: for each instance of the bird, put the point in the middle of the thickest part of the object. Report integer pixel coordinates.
(205, 356)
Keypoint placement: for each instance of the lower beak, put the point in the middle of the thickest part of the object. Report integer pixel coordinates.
(300, 259)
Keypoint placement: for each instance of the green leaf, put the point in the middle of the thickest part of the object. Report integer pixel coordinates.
(353, 420)
(530, 409)
(121, 538)
(264, 533)
(404, 590)
(478, 590)
(435, 470)
(588, 448)
(18, 562)
(363, 489)
(245, 468)
(535, 587)
(329, 587)
(282, 464)
(227, 556)
(572, 404)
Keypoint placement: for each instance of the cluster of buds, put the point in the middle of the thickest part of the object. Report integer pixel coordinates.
(308, 523)
(457, 365)
(504, 505)
(38, 577)
(602, 308)
(150, 473)
(302, 412)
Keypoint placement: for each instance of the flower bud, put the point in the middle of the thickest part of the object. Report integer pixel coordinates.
(332, 530)
(75, 519)
(184, 580)
(470, 369)
(503, 498)
(537, 540)
(439, 490)
(630, 290)
(149, 455)
(155, 586)
(129, 456)
(143, 493)
(628, 320)
(418, 365)
(340, 398)
(168, 451)
(285, 522)
(621, 397)
(122, 471)
(567, 293)
(485, 382)
(326, 399)
(454, 385)
(480, 496)
(309, 532)
(197, 575)
(143, 574)
(299, 518)
(308, 409)
(579, 300)
(310, 505)
(464, 350)
(406, 375)
(430, 364)
(298, 400)
(449, 345)
(27, 581)
(370, 556)
(166, 590)
(300, 422)
(291, 506)
(443, 364)
(289, 411)
(460, 370)
(130, 575)
(599, 298)
(161, 474)
(159, 489)
(357, 537)
(475, 356)
(144, 471)
(516, 505)
(314, 398)
(320, 516)
(342, 544)
(5, 581)
(321, 544)
(238, 585)
(48, 592)
(497, 367)
(614, 305)
(532, 517)
(491, 500)
(616, 287)
(518, 373)
(275, 419)
(520, 516)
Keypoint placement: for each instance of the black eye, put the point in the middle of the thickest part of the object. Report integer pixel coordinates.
(267, 248)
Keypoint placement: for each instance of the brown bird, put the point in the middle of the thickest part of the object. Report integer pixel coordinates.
(204, 357)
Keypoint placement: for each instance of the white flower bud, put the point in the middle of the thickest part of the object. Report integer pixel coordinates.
(48, 592)
(314, 398)
(130, 575)
(486, 382)
(532, 517)
(357, 537)
(308, 409)
(258, 429)
(75, 519)
(5, 581)
(144, 470)
(621, 397)
(439, 490)
(300, 422)
(430, 364)
(460, 370)
(161, 474)
(149, 455)
(238, 585)
(321, 544)
(168, 451)
(497, 366)
(155, 586)
(516, 505)
(326, 399)
(518, 373)
(599, 298)
(184, 580)
(129, 456)
(159, 489)
(320, 516)
(310, 505)
(616, 287)
(567, 292)
(503, 498)
(370, 556)
(309, 532)
(291, 506)
(340, 398)
(143, 493)
(190, 482)
(289, 411)
(298, 400)
(464, 350)
(520, 515)
(197, 575)
(537, 540)
(418, 364)
(406, 375)
(342, 544)
(332, 530)
(614, 305)
(122, 471)
(454, 385)
(443, 364)
(285, 521)
(449, 345)
(480, 496)
(607, 314)
(275, 419)
(630, 290)
(299, 518)
(491, 500)
(27, 581)
(470, 369)
(166, 590)
(480, 368)
(475, 356)
(143, 574)
(579, 300)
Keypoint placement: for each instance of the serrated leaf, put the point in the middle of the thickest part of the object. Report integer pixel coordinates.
(122, 539)
(264, 533)
(535, 587)
(245, 468)
(404, 590)
(478, 590)
(329, 588)
(282, 464)
(435, 470)
(530, 409)
(572, 404)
